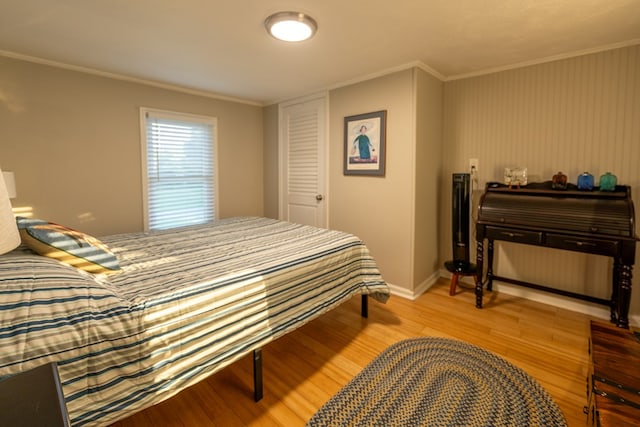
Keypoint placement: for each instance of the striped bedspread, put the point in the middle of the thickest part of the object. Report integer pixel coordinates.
(186, 304)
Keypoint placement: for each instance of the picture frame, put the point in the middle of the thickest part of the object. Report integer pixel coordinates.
(365, 143)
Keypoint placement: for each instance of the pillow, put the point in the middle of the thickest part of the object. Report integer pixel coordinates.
(69, 246)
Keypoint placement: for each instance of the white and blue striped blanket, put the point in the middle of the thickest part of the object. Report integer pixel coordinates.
(186, 304)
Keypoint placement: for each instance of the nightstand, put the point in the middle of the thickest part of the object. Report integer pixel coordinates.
(33, 398)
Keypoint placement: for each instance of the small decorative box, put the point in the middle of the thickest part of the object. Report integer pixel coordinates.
(515, 176)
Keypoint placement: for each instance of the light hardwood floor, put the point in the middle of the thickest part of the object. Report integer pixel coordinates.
(305, 368)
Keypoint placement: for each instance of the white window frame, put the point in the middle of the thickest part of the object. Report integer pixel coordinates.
(173, 115)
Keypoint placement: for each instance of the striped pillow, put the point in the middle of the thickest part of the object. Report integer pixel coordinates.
(66, 245)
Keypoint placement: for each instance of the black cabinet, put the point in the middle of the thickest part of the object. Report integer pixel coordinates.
(33, 398)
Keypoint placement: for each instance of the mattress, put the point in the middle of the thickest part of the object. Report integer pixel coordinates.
(186, 303)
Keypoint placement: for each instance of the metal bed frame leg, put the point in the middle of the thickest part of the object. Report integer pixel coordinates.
(257, 374)
(257, 357)
(365, 306)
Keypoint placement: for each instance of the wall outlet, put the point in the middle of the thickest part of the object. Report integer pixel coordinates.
(473, 165)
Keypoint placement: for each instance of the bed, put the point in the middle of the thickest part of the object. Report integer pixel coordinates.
(185, 304)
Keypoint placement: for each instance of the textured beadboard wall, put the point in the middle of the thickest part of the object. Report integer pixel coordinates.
(573, 115)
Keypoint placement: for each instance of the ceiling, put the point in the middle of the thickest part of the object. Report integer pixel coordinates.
(221, 47)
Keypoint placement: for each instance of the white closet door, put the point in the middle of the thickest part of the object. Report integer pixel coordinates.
(303, 162)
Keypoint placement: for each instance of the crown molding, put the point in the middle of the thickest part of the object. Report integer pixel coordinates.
(414, 64)
(122, 77)
(547, 59)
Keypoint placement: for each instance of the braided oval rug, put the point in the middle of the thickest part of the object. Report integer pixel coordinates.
(439, 382)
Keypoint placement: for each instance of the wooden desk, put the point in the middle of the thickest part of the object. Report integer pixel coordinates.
(613, 384)
(595, 222)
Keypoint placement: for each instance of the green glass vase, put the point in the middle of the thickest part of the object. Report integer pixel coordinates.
(608, 182)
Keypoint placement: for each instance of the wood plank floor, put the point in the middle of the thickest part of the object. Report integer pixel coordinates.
(304, 369)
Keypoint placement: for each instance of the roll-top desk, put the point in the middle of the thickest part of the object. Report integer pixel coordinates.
(595, 222)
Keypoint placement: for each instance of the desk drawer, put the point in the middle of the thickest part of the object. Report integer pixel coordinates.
(514, 235)
(583, 244)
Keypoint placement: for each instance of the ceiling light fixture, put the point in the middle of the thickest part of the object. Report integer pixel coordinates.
(291, 26)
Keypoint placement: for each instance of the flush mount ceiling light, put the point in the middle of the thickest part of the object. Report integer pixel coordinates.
(291, 26)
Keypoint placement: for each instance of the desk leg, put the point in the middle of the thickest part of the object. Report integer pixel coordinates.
(615, 291)
(624, 296)
(490, 267)
(479, 265)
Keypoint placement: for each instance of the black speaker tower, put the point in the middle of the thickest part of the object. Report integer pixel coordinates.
(460, 194)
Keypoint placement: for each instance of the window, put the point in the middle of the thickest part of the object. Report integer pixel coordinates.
(178, 156)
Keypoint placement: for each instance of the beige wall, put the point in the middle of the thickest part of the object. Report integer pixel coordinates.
(396, 215)
(428, 177)
(271, 172)
(73, 141)
(574, 115)
(377, 209)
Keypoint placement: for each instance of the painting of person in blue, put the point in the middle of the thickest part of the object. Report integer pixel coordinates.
(363, 144)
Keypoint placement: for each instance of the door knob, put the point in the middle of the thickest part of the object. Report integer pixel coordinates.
(319, 197)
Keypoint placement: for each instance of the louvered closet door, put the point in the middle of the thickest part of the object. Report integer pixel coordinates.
(303, 136)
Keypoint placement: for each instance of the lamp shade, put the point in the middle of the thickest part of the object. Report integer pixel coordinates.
(10, 183)
(9, 235)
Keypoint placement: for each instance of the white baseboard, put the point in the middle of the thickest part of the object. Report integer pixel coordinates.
(419, 290)
(401, 292)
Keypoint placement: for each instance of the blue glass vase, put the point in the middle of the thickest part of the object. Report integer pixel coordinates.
(608, 182)
(585, 181)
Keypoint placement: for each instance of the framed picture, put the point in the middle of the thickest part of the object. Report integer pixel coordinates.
(365, 143)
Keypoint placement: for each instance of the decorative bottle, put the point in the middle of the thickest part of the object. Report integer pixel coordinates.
(559, 181)
(608, 182)
(585, 181)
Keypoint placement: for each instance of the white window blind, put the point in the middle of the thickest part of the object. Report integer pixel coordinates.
(180, 172)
